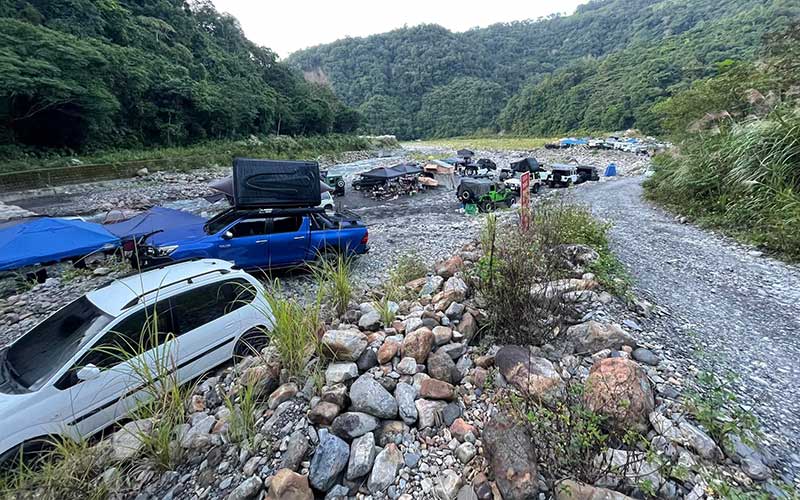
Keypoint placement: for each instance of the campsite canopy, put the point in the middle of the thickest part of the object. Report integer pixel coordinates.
(465, 153)
(47, 240)
(407, 168)
(383, 173)
(180, 224)
(526, 165)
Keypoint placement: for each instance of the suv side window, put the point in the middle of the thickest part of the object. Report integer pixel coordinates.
(250, 228)
(204, 304)
(134, 335)
(286, 224)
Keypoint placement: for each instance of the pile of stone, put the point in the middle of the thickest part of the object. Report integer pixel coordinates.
(413, 409)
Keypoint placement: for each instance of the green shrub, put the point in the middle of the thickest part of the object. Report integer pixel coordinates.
(294, 329)
(333, 274)
(409, 267)
(242, 407)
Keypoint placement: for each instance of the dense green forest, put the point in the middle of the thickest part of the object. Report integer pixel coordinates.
(87, 75)
(602, 68)
(738, 149)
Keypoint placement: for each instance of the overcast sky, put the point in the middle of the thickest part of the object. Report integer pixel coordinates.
(289, 25)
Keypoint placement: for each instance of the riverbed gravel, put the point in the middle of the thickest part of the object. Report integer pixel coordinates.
(725, 307)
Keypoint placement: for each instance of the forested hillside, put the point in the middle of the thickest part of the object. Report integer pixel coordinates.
(602, 68)
(93, 74)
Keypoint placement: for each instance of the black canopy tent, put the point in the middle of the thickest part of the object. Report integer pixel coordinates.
(465, 153)
(526, 165)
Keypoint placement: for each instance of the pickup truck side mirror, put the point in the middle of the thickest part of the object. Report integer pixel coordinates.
(88, 372)
(227, 235)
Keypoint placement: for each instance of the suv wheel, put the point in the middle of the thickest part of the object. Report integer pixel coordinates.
(250, 344)
(464, 196)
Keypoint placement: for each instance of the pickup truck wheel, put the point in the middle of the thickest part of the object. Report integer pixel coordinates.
(465, 196)
(250, 344)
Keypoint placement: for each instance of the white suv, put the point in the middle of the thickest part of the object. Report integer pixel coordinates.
(67, 377)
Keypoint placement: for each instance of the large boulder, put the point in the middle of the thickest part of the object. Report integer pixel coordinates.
(329, 460)
(591, 337)
(289, 485)
(367, 395)
(441, 366)
(344, 345)
(512, 457)
(573, 490)
(430, 413)
(353, 424)
(449, 267)
(418, 344)
(619, 389)
(534, 376)
(468, 327)
(362, 455)
(384, 471)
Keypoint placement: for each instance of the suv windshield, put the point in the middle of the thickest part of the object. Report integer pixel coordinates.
(38, 355)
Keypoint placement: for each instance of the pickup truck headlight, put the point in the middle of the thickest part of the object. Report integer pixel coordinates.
(166, 250)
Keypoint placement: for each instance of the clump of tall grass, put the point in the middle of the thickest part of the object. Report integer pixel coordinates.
(744, 179)
(67, 469)
(409, 267)
(242, 407)
(334, 278)
(294, 329)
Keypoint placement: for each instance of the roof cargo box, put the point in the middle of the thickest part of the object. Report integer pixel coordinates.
(275, 184)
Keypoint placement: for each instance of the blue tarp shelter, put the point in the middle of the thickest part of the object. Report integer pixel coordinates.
(611, 170)
(571, 141)
(178, 223)
(46, 240)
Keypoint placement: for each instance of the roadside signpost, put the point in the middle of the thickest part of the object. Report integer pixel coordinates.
(525, 199)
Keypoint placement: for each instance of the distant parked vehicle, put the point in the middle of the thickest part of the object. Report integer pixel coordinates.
(81, 369)
(562, 175)
(334, 181)
(485, 193)
(587, 173)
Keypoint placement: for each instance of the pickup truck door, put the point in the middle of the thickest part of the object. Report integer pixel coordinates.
(288, 240)
(249, 245)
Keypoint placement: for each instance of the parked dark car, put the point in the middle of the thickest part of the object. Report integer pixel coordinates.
(334, 181)
(587, 173)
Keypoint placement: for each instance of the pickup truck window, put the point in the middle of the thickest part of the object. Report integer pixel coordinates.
(250, 228)
(286, 224)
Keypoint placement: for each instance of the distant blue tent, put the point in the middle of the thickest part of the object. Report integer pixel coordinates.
(178, 223)
(571, 141)
(45, 240)
(611, 170)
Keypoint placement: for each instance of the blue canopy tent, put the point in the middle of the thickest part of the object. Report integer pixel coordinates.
(47, 240)
(571, 141)
(180, 225)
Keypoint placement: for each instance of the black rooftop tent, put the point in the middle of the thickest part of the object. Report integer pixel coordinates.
(382, 173)
(407, 168)
(526, 165)
(465, 153)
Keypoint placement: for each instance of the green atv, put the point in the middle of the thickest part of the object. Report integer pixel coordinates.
(485, 193)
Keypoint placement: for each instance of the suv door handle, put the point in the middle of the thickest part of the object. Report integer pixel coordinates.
(261, 241)
(299, 237)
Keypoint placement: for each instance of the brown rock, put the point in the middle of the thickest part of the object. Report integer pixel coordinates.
(512, 458)
(398, 326)
(198, 403)
(536, 377)
(344, 345)
(460, 429)
(289, 485)
(436, 389)
(449, 267)
(573, 490)
(468, 326)
(619, 389)
(336, 394)
(388, 351)
(442, 300)
(418, 344)
(485, 361)
(416, 285)
(323, 413)
(281, 394)
(442, 334)
(441, 366)
(479, 376)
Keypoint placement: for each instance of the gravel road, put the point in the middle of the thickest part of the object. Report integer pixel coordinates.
(727, 307)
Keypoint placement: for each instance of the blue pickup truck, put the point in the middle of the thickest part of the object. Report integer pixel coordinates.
(263, 239)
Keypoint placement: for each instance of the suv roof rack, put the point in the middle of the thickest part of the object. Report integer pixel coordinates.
(188, 280)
